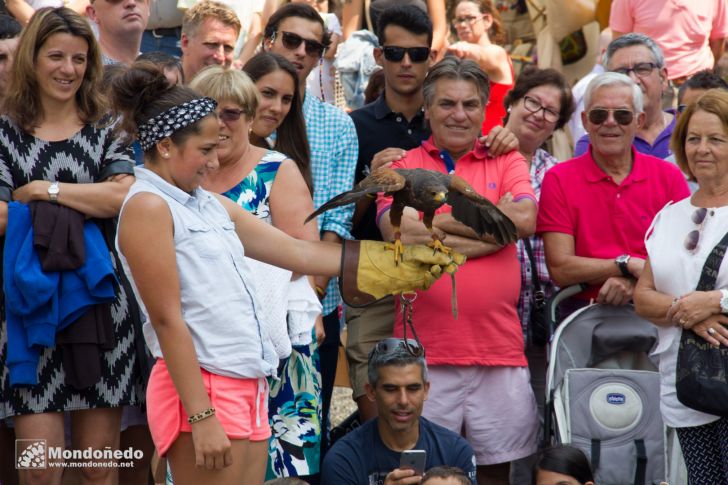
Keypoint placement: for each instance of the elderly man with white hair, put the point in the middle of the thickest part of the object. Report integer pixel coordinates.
(596, 208)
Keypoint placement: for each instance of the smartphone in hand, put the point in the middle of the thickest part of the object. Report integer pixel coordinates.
(413, 460)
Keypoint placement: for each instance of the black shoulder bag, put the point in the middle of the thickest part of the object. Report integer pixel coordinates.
(702, 370)
(537, 326)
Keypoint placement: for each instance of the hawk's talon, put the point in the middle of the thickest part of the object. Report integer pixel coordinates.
(398, 249)
(437, 245)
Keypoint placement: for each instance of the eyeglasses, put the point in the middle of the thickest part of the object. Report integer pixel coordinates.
(389, 345)
(465, 20)
(532, 105)
(396, 54)
(641, 69)
(598, 116)
(230, 115)
(291, 42)
(693, 237)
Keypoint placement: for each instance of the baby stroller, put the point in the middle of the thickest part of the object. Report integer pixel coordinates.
(603, 392)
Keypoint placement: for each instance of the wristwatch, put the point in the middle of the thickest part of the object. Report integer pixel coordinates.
(53, 192)
(724, 301)
(621, 262)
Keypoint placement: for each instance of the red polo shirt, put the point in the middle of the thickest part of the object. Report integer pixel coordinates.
(606, 219)
(487, 331)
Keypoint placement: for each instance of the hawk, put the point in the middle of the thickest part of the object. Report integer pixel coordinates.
(425, 191)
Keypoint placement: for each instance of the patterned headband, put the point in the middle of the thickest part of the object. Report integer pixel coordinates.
(174, 119)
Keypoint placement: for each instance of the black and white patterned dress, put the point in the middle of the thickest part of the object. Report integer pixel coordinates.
(91, 155)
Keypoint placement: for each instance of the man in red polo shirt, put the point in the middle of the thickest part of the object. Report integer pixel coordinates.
(596, 208)
(478, 372)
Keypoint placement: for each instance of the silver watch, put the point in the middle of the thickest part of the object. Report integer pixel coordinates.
(53, 192)
(724, 301)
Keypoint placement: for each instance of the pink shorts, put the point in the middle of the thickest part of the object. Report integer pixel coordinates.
(241, 406)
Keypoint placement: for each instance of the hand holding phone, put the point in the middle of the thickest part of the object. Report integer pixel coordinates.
(413, 460)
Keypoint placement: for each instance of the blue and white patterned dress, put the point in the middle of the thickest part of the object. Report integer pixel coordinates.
(294, 407)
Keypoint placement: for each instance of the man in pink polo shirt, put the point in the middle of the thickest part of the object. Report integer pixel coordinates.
(691, 33)
(478, 372)
(595, 208)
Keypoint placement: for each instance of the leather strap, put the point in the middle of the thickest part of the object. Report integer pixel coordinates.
(350, 293)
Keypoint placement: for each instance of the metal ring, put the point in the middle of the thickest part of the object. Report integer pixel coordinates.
(711, 331)
(408, 298)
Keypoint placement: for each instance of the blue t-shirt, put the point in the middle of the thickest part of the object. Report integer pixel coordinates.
(361, 458)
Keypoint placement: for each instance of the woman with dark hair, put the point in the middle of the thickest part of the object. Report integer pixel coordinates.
(539, 103)
(279, 110)
(562, 465)
(480, 34)
(268, 184)
(56, 150)
(184, 249)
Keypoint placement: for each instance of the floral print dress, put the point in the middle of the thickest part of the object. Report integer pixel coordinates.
(294, 407)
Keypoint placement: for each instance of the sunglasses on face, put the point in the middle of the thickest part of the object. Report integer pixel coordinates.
(389, 345)
(532, 105)
(641, 69)
(693, 237)
(291, 42)
(230, 115)
(597, 116)
(396, 54)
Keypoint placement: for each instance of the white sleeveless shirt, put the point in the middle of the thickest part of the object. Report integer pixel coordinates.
(217, 291)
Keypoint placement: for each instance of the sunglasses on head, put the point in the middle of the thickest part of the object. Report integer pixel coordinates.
(598, 116)
(291, 42)
(396, 54)
(230, 115)
(693, 237)
(389, 345)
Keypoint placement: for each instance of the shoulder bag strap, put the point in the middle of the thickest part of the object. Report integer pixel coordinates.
(535, 280)
(712, 265)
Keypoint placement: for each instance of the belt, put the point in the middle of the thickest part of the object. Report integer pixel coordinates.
(166, 32)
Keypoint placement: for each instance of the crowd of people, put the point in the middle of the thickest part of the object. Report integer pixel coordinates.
(163, 290)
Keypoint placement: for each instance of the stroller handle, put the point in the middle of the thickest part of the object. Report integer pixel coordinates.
(553, 304)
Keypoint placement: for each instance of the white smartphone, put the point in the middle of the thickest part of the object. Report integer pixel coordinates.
(413, 460)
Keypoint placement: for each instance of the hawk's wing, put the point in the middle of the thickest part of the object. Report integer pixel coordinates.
(477, 212)
(380, 180)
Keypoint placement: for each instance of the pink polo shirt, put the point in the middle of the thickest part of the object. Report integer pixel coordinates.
(681, 28)
(606, 219)
(487, 331)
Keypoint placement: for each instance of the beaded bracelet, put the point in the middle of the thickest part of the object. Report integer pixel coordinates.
(201, 415)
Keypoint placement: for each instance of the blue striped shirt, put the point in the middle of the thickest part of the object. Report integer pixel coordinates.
(334, 152)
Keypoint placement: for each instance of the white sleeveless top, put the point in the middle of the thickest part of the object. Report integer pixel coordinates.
(217, 290)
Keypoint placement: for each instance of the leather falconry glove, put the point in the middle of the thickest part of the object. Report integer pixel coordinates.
(369, 272)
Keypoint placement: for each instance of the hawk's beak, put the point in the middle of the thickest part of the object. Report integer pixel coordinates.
(440, 197)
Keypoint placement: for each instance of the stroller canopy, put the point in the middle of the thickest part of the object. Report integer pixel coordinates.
(595, 334)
